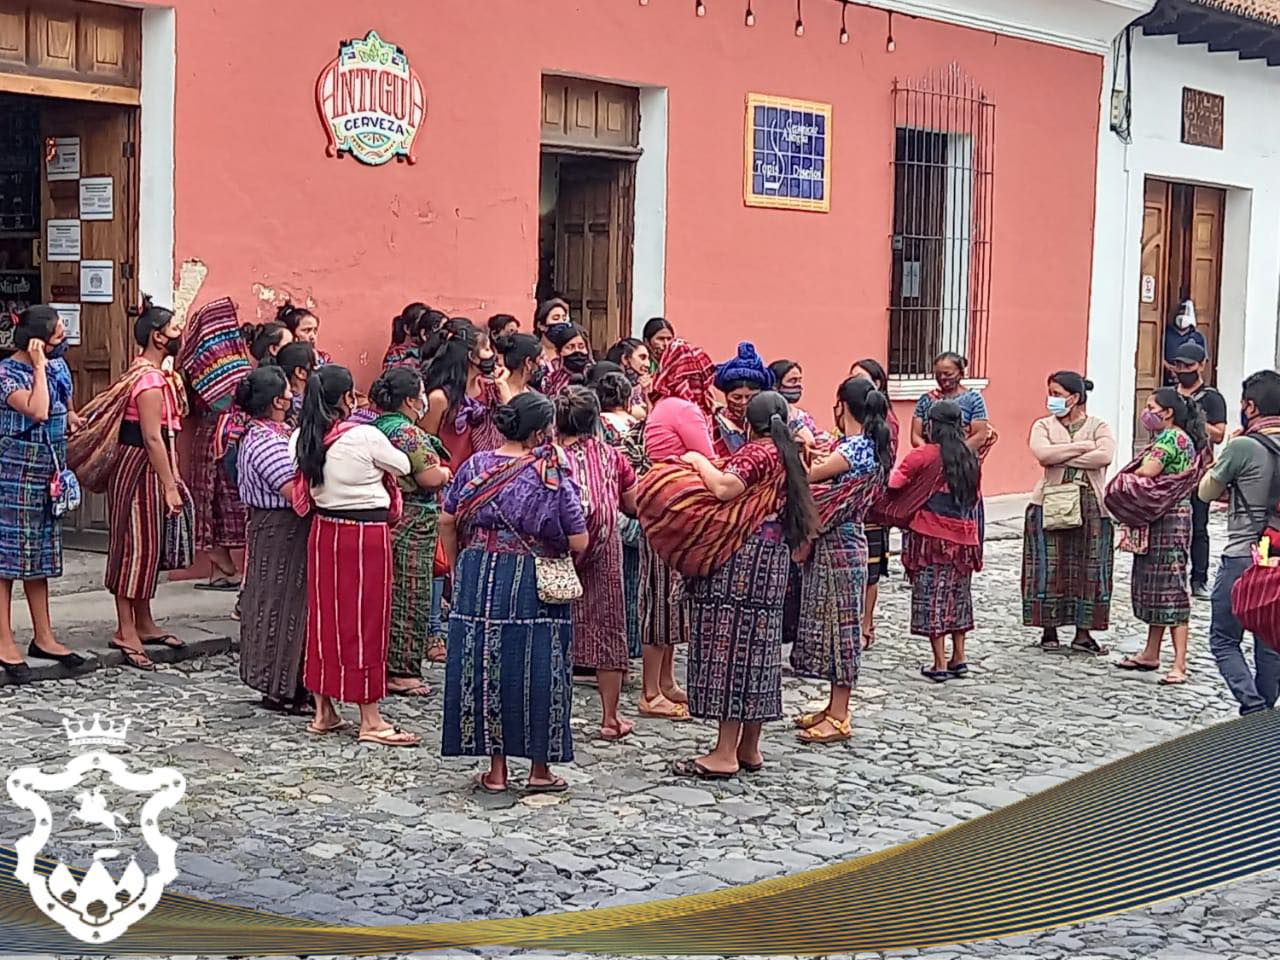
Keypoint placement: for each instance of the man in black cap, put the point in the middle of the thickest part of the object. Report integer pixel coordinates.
(1188, 368)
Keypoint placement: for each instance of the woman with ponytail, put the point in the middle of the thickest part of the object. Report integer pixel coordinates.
(273, 606)
(407, 335)
(1159, 585)
(935, 489)
(265, 340)
(399, 394)
(877, 535)
(847, 481)
(348, 471)
(463, 389)
(735, 648)
(303, 325)
(573, 358)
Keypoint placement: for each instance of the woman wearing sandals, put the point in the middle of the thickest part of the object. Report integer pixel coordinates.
(349, 469)
(1159, 585)
(273, 617)
(607, 483)
(144, 485)
(508, 677)
(828, 642)
(735, 645)
(1067, 573)
(877, 535)
(941, 548)
(400, 395)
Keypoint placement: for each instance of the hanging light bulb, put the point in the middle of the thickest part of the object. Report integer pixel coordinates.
(700, 8)
(890, 44)
(844, 27)
(750, 18)
(799, 20)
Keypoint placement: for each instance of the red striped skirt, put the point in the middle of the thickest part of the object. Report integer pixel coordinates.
(135, 517)
(348, 609)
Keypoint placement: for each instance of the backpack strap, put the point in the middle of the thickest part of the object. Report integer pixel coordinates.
(1273, 496)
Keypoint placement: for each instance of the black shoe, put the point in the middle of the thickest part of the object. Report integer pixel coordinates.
(72, 661)
(17, 672)
(1200, 591)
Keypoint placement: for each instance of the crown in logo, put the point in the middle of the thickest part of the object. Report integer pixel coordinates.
(80, 735)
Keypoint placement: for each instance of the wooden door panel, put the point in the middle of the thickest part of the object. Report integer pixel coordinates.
(1208, 205)
(589, 249)
(13, 32)
(1152, 315)
(107, 138)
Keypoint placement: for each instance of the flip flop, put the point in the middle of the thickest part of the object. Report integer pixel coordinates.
(479, 782)
(137, 659)
(958, 669)
(219, 585)
(678, 712)
(694, 768)
(328, 728)
(750, 767)
(389, 737)
(1172, 680)
(437, 653)
(421, 690)
(555, 785)
(1128, 663)
(937, 676)
(1093, 648)
(162, 640)
(625, 728)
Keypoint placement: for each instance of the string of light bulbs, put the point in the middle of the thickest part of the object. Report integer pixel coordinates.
(749, 19)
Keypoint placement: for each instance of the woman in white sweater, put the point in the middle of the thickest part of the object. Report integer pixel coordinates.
(350, 470)
(1067, 571)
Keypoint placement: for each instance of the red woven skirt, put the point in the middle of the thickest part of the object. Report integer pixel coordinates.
(348, 609)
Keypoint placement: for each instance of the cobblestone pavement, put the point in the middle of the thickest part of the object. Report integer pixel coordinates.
(326, 828)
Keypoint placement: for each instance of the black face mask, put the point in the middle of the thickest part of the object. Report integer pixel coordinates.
(535, 377)
(576, 362)
(1188, 378)
(172, 346)
(488, 365)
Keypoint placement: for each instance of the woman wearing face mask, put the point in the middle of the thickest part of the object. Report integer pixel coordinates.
(145, 484)
(1067, 574)
(505, 507)
(739, 380)
(462, 390)
(350, 470)
(273, 606)
(521, 357)
(573, 358)
(789, 377)
(298, 362)
(399, 394)
(948, 371)
(877, 535)
(657, 335)
(35, 408)
(1159, 584)
(632, 356)
(407, 335)
(616, 426)
(735, 646)
(550, 313)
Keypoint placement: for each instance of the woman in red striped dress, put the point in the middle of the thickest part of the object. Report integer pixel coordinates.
(350, 469)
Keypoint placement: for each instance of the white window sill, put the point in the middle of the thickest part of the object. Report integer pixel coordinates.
(913, 388)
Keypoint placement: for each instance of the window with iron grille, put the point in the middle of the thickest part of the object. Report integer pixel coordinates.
(940, 282)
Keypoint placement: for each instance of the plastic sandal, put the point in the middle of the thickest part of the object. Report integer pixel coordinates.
(694, 768)
(678, 712)
(389, 737)
(807, 720)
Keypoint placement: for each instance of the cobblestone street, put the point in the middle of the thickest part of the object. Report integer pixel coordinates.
(321, 827)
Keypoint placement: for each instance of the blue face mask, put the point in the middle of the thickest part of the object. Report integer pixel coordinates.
(58, 352)
(1057, 406)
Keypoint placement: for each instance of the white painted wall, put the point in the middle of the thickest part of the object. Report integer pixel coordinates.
(649, 245)
(155, 154)
(1248, 166)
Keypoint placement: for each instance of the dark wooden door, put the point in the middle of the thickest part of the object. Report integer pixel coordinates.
(594, 217)
(108, 148)
(1154, 299)
(1204, 253)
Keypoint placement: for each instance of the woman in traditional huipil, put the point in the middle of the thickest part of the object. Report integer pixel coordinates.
(273, 604)
(461, 390)
(144, 486)
(573, 358)
(735, 648)
(607, 484)
(738, 379)
(828, 643)
(303, 325)
(35, 410)
(679, 422)
(550, 313)
(350, 470)
(408, 332)
(657, 335)
(617, 424)
(877, 536)
(399, 394)
(521, 362)
(508, 678)
(1159, 585)
(1066, 574)
(298, 361)
(941, 549)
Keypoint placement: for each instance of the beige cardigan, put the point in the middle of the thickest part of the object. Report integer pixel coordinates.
(1092, 452)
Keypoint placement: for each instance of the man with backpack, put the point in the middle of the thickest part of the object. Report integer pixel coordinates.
(1247, 472)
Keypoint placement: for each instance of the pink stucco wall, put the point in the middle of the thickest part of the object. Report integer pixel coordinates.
(260, 203)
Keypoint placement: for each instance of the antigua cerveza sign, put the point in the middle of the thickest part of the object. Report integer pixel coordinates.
(371, 101)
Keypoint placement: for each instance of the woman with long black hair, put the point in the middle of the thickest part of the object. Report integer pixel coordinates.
(828, 642)
(273, 606)
(462, 390)
(550, 313)
(408, 331)
(1159, 585)
(521, 358)
(350, 471)
(941, 549)
(265, 340)
(735, 649)
(573, 358)
(657, 336)
(304, 325)
(877, 535)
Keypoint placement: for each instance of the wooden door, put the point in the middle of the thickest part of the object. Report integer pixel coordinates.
(1204, 273)
(1153, 299)
(593, 246)
(108, 138)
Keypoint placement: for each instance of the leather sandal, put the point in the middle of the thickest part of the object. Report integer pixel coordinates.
(807, 720)
(840, 730)
(678, 712)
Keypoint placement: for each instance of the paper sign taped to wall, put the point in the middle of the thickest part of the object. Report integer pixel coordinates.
(97, 198)
(97, 281)
(70, 314)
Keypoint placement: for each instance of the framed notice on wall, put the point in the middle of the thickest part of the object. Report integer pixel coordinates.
(788, 154)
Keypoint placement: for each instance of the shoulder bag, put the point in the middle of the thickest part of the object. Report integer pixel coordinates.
(1062, 503)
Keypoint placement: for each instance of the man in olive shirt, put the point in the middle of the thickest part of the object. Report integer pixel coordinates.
(1248, 472)
(1188, 368)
